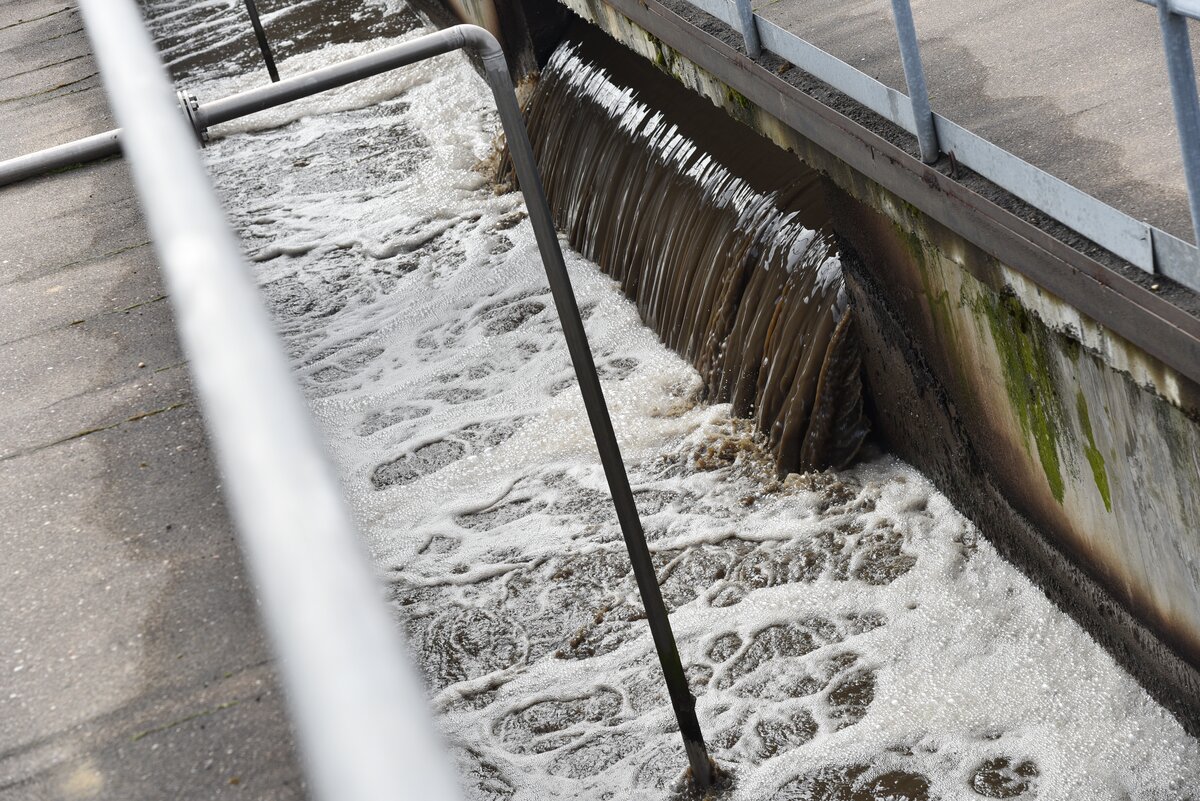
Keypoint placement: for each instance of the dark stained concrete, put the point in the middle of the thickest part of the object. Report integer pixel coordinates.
(132, 665)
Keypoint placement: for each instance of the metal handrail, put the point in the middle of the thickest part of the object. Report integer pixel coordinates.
(353, 693)
(1145, 246)
(1142, 245)
(360, 710)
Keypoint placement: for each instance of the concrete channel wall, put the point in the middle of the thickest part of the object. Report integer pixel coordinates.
(1049, 390)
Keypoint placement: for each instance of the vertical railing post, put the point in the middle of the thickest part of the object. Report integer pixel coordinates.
(914, 75)
(749, 28)
(263, 45)
(1178, 48)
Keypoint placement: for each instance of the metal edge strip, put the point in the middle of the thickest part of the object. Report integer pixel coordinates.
(1108, 227)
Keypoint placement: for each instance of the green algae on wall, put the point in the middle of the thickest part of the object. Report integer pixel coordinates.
(1092, 453)
(735, 98)
(1021, 344)
(1023, 349)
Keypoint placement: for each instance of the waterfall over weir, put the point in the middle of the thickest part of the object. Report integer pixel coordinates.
(726, 255)
(847, 634)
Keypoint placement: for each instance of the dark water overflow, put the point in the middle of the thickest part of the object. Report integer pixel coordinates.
(725, 249)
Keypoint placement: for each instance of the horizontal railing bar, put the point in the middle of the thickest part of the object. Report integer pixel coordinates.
(362, 716)
(325, 78)
(1109, 227)
(1184, 8)
(1175, 258)
(81, 151)
(724, 10)
(892, 105)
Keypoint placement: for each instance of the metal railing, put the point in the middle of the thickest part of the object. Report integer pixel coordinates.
(360, 712)
(359, 707)
(1143, 245)
(264, 46)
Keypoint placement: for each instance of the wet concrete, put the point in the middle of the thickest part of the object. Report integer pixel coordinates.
(131, 659)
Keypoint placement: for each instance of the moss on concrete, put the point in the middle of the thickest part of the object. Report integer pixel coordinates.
(1024, 351)
(1092, 453)
(736, 98)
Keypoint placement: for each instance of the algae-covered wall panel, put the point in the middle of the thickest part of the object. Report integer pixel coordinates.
(1074, 441)
(1085, 435)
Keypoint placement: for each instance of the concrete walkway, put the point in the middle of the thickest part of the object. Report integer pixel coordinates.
(1078, 88)
(131, 661)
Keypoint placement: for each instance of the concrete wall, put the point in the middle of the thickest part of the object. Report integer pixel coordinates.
(1081, 431)
(1076, 452)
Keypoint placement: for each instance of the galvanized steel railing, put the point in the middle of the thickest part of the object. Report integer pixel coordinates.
(360, 710)
(1143, 245)
(359, 707)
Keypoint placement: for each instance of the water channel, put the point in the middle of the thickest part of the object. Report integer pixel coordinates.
(847, 633)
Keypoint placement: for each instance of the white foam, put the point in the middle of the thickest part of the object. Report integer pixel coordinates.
(395, 273)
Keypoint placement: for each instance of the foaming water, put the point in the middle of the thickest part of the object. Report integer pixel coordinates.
(847, 633)
(728, 274)
(214, 37)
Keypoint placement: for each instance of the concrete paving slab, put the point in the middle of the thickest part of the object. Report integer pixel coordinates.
(77, 292)
(1078, 88)
(43, 59)
(132, 664)
(133, 656)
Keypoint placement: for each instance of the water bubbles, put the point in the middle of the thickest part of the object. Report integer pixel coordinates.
(848, 633)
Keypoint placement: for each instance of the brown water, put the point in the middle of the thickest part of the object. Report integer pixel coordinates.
(727, 255)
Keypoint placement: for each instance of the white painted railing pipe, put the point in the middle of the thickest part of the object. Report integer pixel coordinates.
(360, 711)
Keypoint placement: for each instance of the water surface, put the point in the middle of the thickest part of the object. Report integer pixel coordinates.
(848, 634)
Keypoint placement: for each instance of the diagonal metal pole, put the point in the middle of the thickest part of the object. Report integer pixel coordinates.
(496, 72)
(263, 44)
(684, 704)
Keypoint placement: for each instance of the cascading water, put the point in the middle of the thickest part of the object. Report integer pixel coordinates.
(726, 272)
(847, 634)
